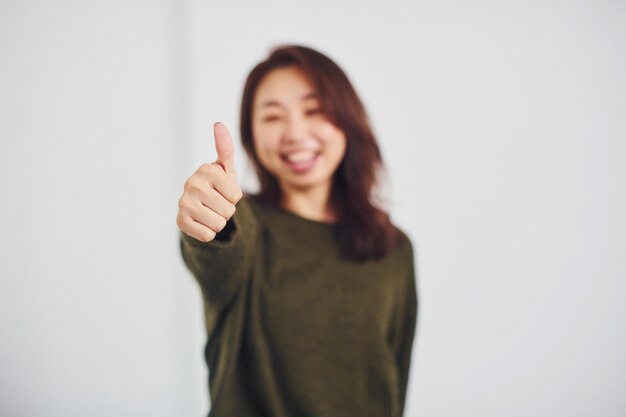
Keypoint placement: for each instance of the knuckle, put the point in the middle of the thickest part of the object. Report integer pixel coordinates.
(209, 169)
(231, 210)
(182, 222)
(191, 183)
(196, 187)
(184, 203)
(204, 167)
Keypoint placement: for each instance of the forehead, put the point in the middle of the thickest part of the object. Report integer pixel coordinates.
(288, 85)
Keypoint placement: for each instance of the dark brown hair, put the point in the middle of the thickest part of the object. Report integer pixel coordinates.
(365, 231)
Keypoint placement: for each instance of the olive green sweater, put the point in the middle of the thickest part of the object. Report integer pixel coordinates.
(296, 331)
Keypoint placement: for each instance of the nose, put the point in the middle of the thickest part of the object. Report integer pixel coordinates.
(297, 129)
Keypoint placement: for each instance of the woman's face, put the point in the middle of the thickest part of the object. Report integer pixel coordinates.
(293, 138)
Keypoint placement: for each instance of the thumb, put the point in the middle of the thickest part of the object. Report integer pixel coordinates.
(224, 147)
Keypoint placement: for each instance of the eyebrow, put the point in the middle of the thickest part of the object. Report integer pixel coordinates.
(270, 103)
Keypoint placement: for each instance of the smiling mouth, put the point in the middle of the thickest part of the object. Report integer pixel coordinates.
(300, 162)
(299, 157)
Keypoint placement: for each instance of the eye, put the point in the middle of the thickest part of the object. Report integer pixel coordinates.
(271, 118)
(313, 112)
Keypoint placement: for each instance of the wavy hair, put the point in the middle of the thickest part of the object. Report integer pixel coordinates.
(365, 230)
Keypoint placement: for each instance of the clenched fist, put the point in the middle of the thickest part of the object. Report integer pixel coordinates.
(211, 193)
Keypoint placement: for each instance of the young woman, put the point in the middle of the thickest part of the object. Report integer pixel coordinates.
(309, 289)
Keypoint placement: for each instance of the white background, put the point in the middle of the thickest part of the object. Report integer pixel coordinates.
(503, 127)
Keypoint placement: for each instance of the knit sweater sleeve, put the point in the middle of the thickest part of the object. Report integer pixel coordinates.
(220, 266)
(406, 321)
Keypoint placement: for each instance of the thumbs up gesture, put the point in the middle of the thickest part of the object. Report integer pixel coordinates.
(211, 193)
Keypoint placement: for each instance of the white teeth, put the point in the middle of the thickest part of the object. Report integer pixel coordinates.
(300, 156)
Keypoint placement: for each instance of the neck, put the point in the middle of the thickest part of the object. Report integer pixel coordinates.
(311, 203)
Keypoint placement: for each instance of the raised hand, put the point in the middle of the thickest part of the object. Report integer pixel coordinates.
(211, 193)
